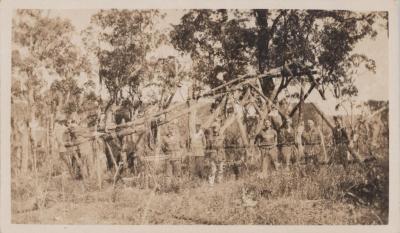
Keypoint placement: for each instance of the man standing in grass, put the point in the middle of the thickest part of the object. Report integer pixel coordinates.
(172, 147)
(287, 143)
(267, 141)
(251, 117)
(215, 155)
(360, 141)
(341, 142)
(311, 140)
(198, 145)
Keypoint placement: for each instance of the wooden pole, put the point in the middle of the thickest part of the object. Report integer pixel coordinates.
(300, 102)
(210, 119)
(97, 163)
(331, 126)
(236, 118)
(48, 138)
(191, 118)
(112, 155)
(323, 116)
(125, 130)
(271, 74)
(227, 123)
(323, 146)
(377, 112)
(138, 126)
(267, 99)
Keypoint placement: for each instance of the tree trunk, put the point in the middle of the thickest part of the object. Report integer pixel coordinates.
(25, 150)
(191, 118)
(267, 85)
(27, 144)
(301, 103)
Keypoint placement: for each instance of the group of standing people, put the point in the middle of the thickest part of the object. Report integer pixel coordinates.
(207, 153)
(210, 152)
(303, 146)
(284, 146)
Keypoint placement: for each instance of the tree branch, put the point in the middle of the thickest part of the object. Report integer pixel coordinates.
(304, 98)
(275, 22)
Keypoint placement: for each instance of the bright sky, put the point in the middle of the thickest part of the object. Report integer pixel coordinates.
(370, 85)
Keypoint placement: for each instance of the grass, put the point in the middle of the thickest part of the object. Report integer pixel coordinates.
(312, 195)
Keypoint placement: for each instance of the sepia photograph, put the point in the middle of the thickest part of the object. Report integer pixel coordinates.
(199, 116)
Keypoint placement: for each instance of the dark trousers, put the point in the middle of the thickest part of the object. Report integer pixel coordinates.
(340, 154)
(196, 166)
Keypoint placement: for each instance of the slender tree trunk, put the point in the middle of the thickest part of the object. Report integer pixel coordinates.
(301, 103)
(191, 118)
(27, 144)
(48, 123)
(25, 149)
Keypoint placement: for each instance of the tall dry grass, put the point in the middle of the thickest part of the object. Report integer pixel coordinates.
(326, 194)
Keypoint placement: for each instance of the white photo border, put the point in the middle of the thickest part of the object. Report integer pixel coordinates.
(7, 8)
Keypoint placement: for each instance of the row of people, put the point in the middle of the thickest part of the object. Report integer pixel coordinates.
(302, 146)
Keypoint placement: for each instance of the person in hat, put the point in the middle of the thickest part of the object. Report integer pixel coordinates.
(311, 140)
(215, 155)
(267, 141)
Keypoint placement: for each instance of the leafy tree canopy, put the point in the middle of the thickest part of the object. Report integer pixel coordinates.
(125, 37)
(232, 42)
(43, 46)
